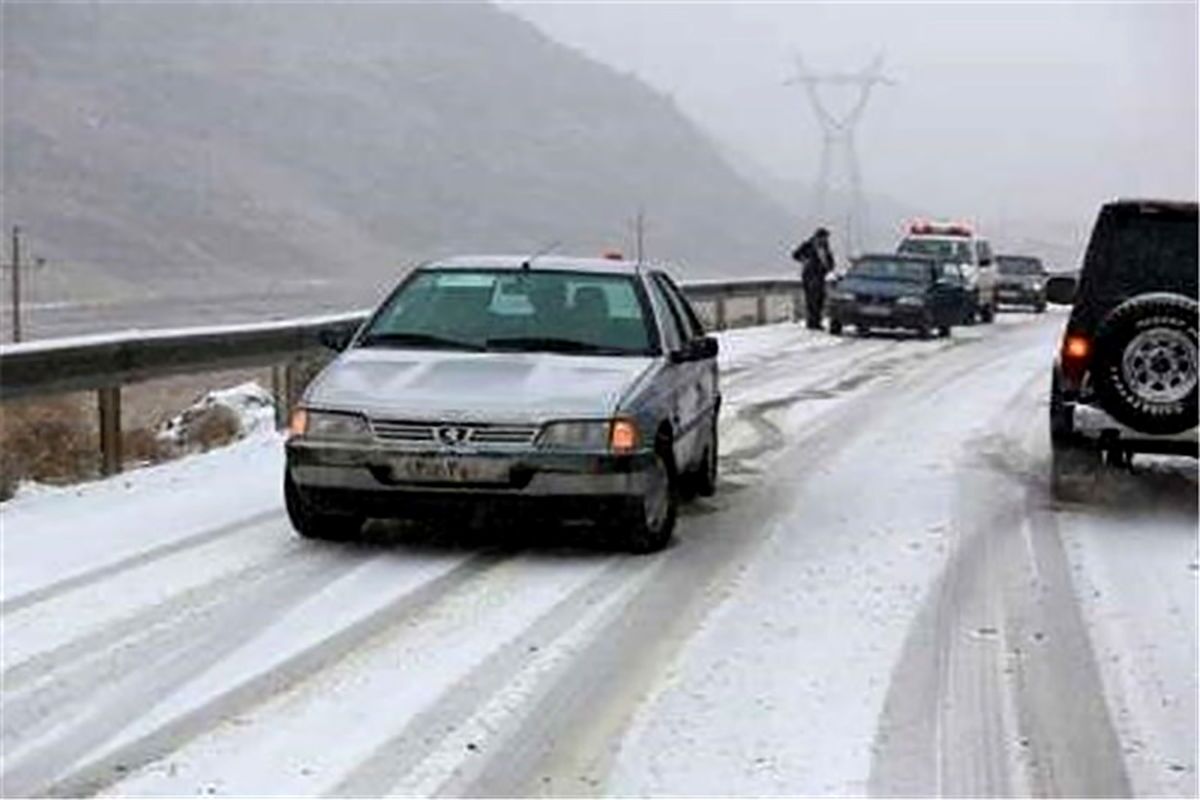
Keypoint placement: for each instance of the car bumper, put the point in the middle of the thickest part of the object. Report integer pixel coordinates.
(891, 317)
(1016, 295)
(365, 478)
(1093, 425)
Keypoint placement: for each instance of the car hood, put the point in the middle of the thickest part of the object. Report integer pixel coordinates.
(884, 288)
(502, 387)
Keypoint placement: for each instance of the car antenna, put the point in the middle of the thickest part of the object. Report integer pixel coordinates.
(527, 263)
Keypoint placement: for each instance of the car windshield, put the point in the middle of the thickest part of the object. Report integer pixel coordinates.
(946, 249)
(1010, 265)
(510, 310)
(892, 270)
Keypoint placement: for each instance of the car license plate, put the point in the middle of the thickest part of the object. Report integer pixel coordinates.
(876, 311)
(449, 469)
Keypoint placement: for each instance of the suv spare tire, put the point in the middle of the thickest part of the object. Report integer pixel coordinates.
(1145, 367)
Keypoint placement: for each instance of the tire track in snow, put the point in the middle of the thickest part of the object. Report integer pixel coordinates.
(999, 649)
(395, 758)
(96, 574)
(130, 628)
(101, 771)
(80, 707)
(80, 672)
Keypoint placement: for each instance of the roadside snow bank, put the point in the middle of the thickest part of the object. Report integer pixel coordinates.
(239, 411)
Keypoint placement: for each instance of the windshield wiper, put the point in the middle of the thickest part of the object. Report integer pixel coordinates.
(553, 345)
(399, 339)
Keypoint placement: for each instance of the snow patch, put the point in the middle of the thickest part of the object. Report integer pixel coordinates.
(251, 405)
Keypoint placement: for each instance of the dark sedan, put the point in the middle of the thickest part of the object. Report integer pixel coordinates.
(1021, 282)
(899, 291)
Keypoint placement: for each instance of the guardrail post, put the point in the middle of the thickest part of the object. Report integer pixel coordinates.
(720, 313)
(797, 305)
(279, 393)
(760, 309)
(291, 388)
(109, 403)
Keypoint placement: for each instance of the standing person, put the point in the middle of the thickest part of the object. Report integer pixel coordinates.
(816, 262)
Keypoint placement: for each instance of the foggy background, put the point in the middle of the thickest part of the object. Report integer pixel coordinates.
(1023, 117)
(317, 150)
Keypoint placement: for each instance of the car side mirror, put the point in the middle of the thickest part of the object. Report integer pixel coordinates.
(336, 339)
(696, 350)
(1060, 290)
(707, 347)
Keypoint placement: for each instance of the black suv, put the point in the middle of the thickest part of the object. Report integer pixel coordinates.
(1125, 377)
(899, 291)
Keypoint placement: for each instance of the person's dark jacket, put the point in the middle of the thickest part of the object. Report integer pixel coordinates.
(815, 260)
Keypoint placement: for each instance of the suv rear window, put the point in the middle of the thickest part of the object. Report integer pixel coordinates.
(1135, 250)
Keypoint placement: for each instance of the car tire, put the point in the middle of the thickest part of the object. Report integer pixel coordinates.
(924, 331)
(987, 314)
(835, 327)
(1146, 363)
(1040, 308)
(864, 330)
(943, 331)
(706, 477)
(972, 315)
(649, 520)
(312, 523)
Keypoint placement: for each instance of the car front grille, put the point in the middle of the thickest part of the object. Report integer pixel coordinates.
(453, 434)
(875, 299)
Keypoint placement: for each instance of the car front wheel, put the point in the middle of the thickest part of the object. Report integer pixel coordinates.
(313, 523)
(650, 519)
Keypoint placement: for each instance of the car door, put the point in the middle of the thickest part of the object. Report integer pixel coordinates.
(951, 288)
(697, 387)
(666, 391)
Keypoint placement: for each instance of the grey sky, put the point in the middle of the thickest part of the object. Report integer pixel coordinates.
(1002, 112)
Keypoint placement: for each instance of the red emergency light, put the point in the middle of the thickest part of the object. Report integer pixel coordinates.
(924, 227)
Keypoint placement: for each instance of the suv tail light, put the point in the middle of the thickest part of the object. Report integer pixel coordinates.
(1076, 356)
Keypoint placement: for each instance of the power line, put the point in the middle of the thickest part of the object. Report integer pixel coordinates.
(838, 140)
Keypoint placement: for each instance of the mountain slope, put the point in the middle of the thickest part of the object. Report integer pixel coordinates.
(248, 145)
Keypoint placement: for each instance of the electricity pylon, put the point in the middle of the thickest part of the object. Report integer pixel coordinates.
(838, 142)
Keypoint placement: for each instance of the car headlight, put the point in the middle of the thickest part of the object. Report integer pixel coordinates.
(329, 425)
(618, 435)
(911, 300)
(1037, 286)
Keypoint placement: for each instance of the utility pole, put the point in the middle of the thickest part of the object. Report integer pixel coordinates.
(16, 283)
(838, 141)
(640, 225)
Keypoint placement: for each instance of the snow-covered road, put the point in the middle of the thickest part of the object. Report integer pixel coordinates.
(880, 599)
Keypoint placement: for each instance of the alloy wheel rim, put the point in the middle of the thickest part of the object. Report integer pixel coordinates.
(1159, 365)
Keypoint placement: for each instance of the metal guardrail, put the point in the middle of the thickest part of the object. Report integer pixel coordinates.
(105, 363)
